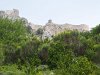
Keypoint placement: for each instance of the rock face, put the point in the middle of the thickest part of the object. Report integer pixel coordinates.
(11, 14)
(49, 29)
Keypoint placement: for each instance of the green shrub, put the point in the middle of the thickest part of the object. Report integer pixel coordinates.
(11, 70)
(81, 66)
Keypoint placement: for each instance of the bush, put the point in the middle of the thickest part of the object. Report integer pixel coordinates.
(13, 35)
(81, 66)
(11, 70)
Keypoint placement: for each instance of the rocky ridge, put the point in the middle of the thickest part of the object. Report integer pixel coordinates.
(49, 29)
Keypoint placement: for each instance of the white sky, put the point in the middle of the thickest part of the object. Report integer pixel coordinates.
(60, 11)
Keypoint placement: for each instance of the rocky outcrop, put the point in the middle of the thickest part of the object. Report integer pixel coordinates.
(49, 29)
(12, 14)
(35, 27)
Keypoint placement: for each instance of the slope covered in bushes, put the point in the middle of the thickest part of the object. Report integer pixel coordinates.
(67, 53)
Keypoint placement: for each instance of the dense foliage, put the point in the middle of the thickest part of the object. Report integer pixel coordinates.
(67, 53)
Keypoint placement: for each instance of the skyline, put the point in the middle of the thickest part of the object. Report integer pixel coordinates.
(60, 11)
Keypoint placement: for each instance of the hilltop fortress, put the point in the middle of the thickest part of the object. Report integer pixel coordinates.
(49, 28)
(10, 13)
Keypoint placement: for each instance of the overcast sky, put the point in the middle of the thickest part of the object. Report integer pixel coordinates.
(60, 11)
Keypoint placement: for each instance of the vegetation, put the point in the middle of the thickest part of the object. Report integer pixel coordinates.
(67, 53)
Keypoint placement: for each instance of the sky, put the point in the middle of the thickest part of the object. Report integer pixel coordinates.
(60, 11)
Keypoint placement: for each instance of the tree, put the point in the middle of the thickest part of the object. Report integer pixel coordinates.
(39, 32)
(96, 30)
(13, 34)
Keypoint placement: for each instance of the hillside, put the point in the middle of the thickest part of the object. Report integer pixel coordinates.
(71, 51)
(49, 29)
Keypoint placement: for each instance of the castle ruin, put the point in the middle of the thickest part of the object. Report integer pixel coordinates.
(49, 28)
